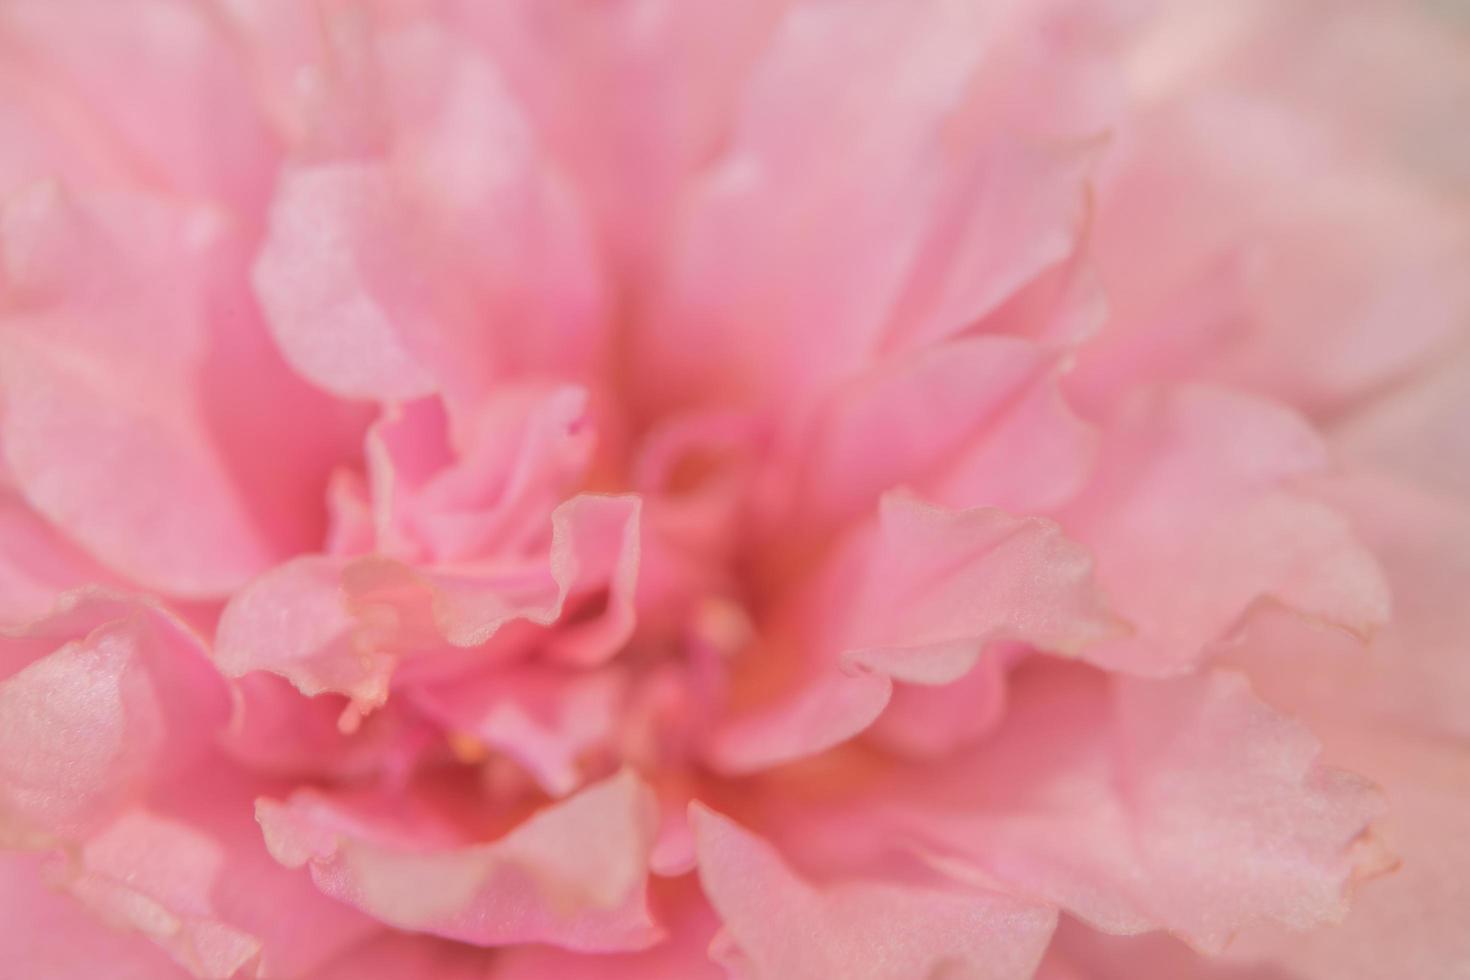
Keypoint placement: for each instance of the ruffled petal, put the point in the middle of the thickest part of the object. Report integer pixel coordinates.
(1193, 521)
(918, 602)
(543, 717)
(1414, 675)
(777, 925)
(188, 870)
(943, 584)
(332, 625)
(1185, 805)
(573, 875)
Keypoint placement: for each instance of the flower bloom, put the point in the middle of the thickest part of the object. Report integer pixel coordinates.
(786, 490)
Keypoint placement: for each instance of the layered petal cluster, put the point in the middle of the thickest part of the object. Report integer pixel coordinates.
(780, 490)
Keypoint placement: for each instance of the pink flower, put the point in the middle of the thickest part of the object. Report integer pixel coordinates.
(788, 490)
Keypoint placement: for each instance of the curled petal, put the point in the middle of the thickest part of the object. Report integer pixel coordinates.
(1194, 518)
(920, 604)
(541, 716)
(333, 625)
(188, 871)
(777, 925)
(573, 875)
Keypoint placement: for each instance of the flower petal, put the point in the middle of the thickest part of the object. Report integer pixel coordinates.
(132, 423)
(135, 695)
(573, 875)
(776, 925)
(1183, 804)
(48, 934)
(1193, 520)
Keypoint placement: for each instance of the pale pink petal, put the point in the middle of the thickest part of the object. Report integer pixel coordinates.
(917, 601)
(631, 106)
(180, 69)
(49, 934)
(1037, 458)
(98, 702)
(776, 925)
(1193, 520)
(1409, 923)
(943, 584)
(188, 870)
(522, 452)
(573, 875)
(684, 955)
(1414, 675)
(298, 622)
(904, 423)
(1416, 429)
(37, 564)
(1412, 923)
(131, 422)
(1247, 236)
(927, 720)
(454, 222)
(830, 198)
(345, 323)
(331, 625)
(1184, 804)
(541, 716)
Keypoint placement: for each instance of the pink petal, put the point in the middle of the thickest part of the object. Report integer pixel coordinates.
(1193, 521)
(188, 871)
(573, 875)
(1416, 430)
(454, 223)
(278, 731)
(1410, 923)
(631, 106)
(777, 925)
(942, 584)
(331, 625)
(1184, 804)
(1414, 675)
(180, 69)
(905, 422)
(131, 422)
(773, 242)
(541, 716)
(344, 325)
(933, 589)
(132, 691)
(521, 453)
(297, 622)
(48, 934)
(684, 955)
(37, 564)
